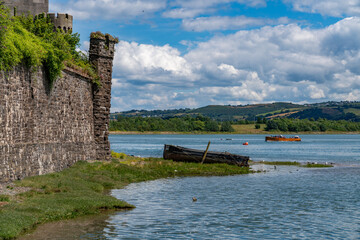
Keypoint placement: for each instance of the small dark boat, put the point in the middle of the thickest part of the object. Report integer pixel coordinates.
(181, 154)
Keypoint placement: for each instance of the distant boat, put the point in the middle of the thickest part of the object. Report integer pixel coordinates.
(181, 154)
(282, 138)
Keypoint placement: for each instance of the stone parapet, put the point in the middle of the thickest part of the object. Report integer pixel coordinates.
(101, 54)
(62, 21)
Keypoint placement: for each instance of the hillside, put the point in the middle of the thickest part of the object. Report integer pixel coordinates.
(326, 110)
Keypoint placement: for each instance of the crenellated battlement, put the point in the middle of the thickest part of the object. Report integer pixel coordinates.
(62, 21)
(34, 7)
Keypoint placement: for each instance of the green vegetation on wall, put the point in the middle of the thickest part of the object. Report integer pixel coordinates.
(34, 43)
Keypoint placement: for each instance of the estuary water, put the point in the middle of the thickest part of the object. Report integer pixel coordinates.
(340, 149)
(283, 203)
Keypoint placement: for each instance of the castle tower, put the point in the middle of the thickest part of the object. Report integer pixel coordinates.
(62, 21)
(101, 55)
(34, 7)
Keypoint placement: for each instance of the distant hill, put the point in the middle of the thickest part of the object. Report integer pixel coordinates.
(249, 112)
(326, 110)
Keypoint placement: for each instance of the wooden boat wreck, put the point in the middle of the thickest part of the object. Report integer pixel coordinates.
(282, 138)
(182, 154)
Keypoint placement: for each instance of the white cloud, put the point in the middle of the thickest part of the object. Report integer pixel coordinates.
(342, 37)
(281, 63)
(130, 9)
(287, 52)
(352, 96)
(336, 8)
(315, 92)
(211, 3)
(109, 9)
(191, 8)
(150, 63)
(183, 13)
(228, 23)
(229, 70)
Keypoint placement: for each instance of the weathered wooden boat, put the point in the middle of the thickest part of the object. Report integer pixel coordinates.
(282, 138)
(182, 154)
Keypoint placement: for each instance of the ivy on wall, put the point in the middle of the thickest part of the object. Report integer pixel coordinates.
(33, 42)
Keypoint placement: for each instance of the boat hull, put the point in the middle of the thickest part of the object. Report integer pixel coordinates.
(282, 139)
(181, 154)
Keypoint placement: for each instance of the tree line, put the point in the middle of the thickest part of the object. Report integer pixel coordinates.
(202, 123)
(310, 125)
(175, 124)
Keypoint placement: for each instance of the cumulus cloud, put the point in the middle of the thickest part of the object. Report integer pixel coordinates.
(280, 63)
(129, 9)
(288, 52)
(336, 8)
(210, 3)
(149, 63)
(192, 8)
(346, 32)
(184, 13)
(228, 23)
(109, 9)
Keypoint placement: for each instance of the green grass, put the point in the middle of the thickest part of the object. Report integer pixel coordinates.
(307, 165)
(280, 163)
(280, 111)
(356, 111)
(80, 189)
(4, 198)
(317, 165)
(249, 129)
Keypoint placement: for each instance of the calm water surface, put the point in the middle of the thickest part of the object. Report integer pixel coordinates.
(283, 203)
(343, 149)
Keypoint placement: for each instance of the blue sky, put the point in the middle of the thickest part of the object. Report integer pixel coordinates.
(193, 53)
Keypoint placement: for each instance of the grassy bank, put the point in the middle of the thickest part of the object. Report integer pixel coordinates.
(81, 189)
(287, 163)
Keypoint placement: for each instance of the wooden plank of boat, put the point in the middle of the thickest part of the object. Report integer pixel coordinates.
(182, 154)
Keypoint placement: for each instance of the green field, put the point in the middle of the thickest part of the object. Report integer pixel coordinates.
(356, 111)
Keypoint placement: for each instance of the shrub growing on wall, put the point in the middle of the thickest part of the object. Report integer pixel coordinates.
(33, 42)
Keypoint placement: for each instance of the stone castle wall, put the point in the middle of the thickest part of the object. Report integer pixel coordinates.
(19, 7)
(44, 130)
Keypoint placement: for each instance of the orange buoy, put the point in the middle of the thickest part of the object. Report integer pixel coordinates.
(245, 143)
